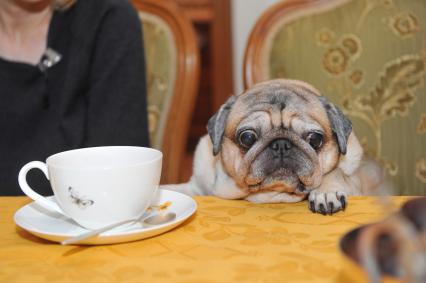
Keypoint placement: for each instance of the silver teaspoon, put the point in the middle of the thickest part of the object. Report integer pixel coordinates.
(152, 220)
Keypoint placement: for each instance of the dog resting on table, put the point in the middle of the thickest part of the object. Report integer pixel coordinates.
(281, 141)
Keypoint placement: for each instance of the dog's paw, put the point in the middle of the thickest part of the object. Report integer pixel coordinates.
(327, 203)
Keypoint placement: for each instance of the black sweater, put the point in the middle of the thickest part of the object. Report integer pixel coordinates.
(95, 95)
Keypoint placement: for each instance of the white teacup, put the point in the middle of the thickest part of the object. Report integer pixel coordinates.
(99, 186)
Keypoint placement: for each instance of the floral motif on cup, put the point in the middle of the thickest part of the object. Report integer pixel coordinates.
(335, 60)
(81, 201)
(421, 170)
(421, 126)
(404, 24)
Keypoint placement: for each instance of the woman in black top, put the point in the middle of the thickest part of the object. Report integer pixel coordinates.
(71, 76)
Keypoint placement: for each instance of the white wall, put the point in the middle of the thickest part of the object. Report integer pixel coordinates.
(244, 15)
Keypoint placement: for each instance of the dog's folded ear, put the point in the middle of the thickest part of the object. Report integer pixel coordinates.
(340, 124)
(217, 123)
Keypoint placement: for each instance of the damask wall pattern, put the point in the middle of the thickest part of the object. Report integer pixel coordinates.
(368, 57)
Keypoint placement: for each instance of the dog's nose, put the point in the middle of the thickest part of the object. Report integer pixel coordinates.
(281, 145)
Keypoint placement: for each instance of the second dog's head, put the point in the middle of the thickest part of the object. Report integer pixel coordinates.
(282, 135)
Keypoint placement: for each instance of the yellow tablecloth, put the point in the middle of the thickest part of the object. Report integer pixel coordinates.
(225, 241)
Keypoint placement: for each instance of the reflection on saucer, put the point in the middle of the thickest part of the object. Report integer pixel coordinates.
(160, 207)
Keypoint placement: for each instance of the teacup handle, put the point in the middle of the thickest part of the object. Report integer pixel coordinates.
(22, 179)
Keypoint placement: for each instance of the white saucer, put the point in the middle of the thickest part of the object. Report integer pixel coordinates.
(56, 227)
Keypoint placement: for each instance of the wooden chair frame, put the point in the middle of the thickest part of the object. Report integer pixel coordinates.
(185, 87)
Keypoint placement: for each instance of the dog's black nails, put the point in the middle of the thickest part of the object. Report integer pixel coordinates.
(312, 206)
(331, 205)
(322, 209)
(343, 201)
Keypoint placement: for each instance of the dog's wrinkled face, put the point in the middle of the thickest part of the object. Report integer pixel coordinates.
(280, 135)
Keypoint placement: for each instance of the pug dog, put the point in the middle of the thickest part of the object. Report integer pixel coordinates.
(281, 141)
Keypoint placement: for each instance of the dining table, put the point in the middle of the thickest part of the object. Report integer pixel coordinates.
(223, 241)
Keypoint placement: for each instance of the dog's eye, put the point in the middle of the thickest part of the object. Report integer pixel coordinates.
(247, 138)
(315, 140)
